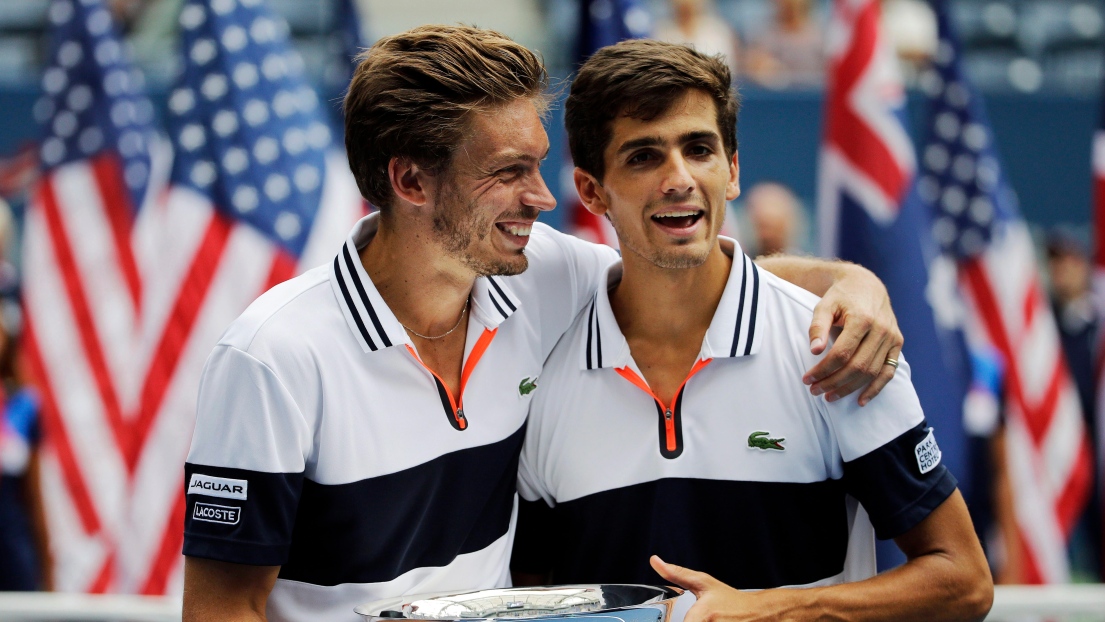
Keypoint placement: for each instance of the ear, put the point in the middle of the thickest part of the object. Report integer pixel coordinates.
(408, 181)
(591, 193)
(733, 186)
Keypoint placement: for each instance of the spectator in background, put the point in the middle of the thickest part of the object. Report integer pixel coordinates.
(778, 222)
(1069, 269)
(24, 555)
(790, 51)
(151, 28)
(911, 27)
(991, 498)
(695, 23)
(9, 277)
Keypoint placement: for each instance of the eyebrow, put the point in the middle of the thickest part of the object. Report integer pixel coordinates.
(654, 141)
(518, 155)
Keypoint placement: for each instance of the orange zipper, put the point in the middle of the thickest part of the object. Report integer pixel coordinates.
(668, 412)
(454, 407)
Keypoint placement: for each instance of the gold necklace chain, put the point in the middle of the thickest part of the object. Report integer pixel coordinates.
(446, 333)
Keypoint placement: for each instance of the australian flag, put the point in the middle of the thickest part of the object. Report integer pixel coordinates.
(871, 214)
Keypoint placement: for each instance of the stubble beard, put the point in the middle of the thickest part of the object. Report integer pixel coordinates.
(668, 259)
(462, 233)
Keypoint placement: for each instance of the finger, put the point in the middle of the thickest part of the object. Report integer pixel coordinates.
(843, 350)
(696, 582)
(884, 377)
(862, 368)
(881, 375)
(823, 315)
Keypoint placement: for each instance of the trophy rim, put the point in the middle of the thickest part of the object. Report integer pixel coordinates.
(371, 610)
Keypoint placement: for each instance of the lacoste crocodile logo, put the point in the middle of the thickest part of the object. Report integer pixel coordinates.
(527, 386)
(760, 440)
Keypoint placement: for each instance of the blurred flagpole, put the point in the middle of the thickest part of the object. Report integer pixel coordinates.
(870, 214)
(601, 23)
(984, 240)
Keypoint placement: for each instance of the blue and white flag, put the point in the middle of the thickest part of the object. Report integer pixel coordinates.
(870, 214)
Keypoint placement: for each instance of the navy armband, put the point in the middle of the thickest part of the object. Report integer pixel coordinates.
(239, 516)
(901, 482)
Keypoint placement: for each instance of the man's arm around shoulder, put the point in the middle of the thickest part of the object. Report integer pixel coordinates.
(223, 591)
(946, 577)
(853, 298)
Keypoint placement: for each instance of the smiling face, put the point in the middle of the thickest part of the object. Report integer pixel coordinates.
(490, 195)
(666, 182)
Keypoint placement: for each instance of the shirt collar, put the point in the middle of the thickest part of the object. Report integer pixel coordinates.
(371, 321)
(493, 300)
(735, 330)
(738, 325)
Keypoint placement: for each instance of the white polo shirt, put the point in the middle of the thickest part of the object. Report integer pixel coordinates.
(745, 475)
(324, 446)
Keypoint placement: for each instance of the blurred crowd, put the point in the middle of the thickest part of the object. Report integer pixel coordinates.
(1011, 45)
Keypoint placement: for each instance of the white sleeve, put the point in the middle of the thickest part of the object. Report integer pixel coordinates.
(246, 418)
(861, 430)
(245, 469)
(530, 483)
(573, 268)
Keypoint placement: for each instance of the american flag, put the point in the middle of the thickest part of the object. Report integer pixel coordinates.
(83, 292)
(979, 231)
(870, 214)
(254, 195)
(601, 23)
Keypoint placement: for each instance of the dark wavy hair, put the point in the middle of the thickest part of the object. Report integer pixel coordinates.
(642, 79)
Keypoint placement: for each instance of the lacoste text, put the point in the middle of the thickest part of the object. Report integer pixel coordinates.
(216, 513)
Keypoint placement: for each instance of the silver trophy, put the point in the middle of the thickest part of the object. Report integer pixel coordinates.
(597, 603)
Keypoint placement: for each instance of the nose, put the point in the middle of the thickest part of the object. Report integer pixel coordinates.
(538, 195)
(677, 178)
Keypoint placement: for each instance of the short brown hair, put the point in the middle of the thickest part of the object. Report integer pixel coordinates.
(641, 79)
(411, 93)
